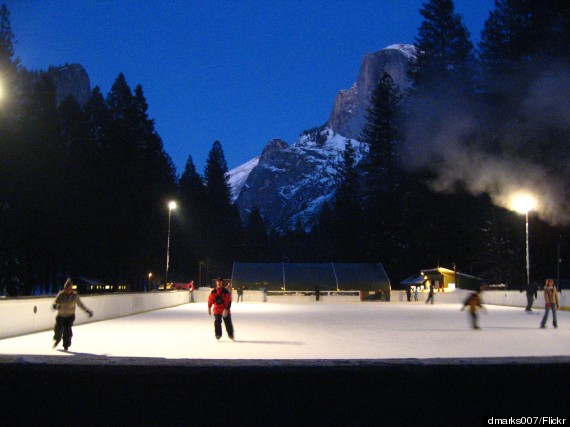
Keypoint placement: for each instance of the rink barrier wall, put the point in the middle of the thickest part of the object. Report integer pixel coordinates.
(506, 298)
(24, 315)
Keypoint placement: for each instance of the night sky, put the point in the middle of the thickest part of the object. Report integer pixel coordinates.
(242, 72)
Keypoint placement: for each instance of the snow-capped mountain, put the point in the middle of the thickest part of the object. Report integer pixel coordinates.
(238, 176)
(290, 183)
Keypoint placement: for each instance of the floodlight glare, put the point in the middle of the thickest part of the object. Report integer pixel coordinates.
(523, 202)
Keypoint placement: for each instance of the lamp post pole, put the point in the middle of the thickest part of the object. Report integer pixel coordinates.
(558, 261)
(171, 205)
(523, 203)
(527, 253)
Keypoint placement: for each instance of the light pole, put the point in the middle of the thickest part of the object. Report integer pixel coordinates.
(527, 251)
(171, 205)
(524, 203)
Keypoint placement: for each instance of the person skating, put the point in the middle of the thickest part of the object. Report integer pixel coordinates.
(551, 302)
(65, 303)
(474, 303)
(531, 294)
(221, 299)
(430, 294)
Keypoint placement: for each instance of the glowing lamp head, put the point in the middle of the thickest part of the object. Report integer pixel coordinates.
(523, 203)
(172, 205)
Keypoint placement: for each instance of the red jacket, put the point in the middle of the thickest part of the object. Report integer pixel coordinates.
(226, 299)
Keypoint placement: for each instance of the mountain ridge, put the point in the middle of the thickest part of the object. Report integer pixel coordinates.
(290, 183)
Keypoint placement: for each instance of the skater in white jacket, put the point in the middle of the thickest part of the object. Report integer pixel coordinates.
(65, 303)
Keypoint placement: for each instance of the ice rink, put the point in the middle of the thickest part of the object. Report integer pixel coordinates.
(311, 330)
(310, 363)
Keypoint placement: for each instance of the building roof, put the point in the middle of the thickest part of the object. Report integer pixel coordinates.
(465, 281)
(443, 270)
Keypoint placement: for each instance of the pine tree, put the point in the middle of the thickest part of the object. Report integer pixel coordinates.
(382, 134)
(9, 65)
(256, 238)
(323, 235)
(224, 224)
(138, 180)
(216, 179)
(192, 222)
(9, 141)
(347, 211)
(80, 163)
(519, 32)
(444, 51)
(37, 211)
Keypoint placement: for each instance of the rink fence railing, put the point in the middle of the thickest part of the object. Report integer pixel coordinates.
(24, 315)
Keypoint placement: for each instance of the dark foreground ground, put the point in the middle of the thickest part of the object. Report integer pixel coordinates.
(152, 392)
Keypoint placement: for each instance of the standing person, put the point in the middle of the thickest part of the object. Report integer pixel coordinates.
(65, 303)
(192, 289)
(430, 295)
(416, 293)
(531, 294)
(221, 299)
(474, 303)
(240, 293)
(550, 302)
(317, 293)
(409, 293)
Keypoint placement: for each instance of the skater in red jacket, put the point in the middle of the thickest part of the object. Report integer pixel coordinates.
(221, 299)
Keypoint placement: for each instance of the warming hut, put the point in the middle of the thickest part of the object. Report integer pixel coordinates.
(443, 279)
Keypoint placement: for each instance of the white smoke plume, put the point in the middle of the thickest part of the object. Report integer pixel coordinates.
(520, 145)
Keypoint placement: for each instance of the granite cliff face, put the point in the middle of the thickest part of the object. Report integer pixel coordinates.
(70, 79)
(290, 183)
(349, 111)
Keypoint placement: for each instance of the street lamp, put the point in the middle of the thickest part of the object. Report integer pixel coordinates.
(523, 203)
(171, 205)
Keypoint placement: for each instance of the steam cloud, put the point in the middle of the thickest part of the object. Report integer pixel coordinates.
(521, 143)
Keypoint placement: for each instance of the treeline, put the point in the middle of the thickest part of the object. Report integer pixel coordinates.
(84, 190)
(475, 124)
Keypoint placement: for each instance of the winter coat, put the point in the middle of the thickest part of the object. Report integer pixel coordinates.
(551, 296)
(65, 304)
(474, 302)
(221, 299)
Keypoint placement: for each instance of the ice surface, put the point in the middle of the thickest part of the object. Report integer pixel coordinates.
(313, 331)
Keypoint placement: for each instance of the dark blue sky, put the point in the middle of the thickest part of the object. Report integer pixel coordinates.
(239, 71)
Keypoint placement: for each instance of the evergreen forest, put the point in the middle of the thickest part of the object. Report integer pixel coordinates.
(84, 190)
